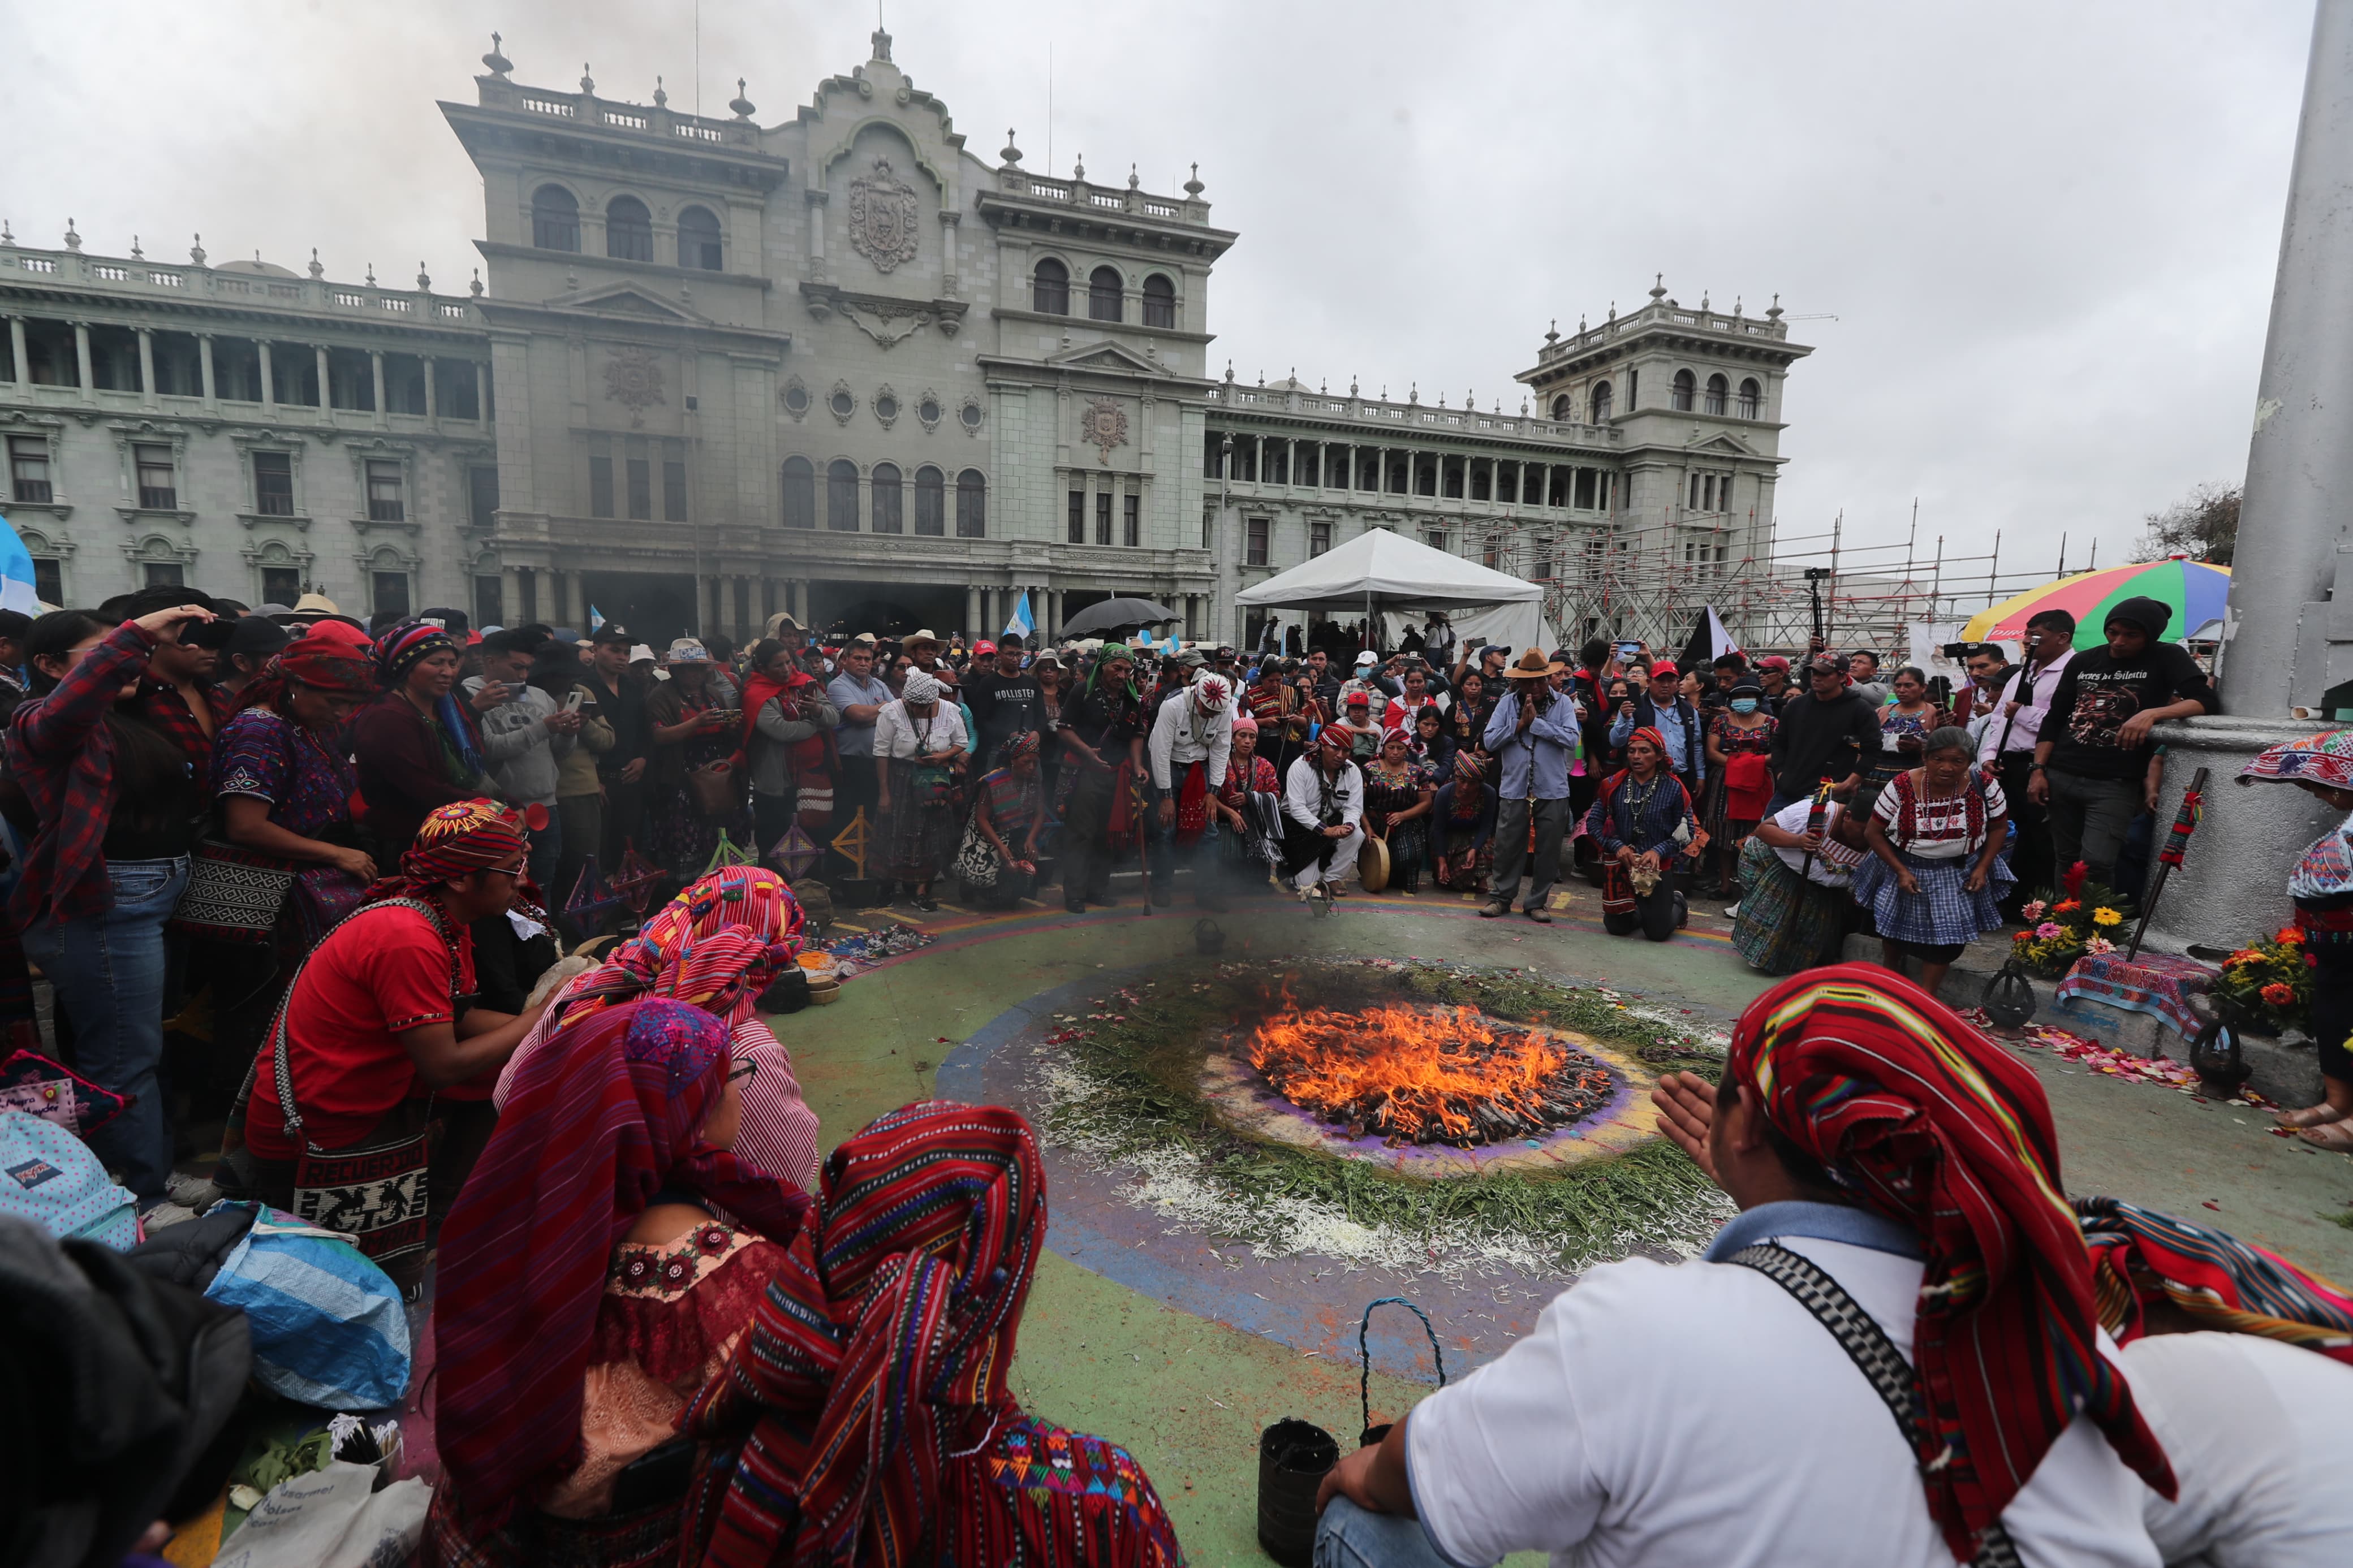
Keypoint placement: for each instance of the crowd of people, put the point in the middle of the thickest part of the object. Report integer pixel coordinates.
(670, 1327)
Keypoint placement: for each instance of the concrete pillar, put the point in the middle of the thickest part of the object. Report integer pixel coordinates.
(147, 366)
(2287, 642)
(375, 374)
(432, 399)
(510, 595)
(81, 359)
(268, 380)
(971, 608)
(326, 388)
(20, 361)
(204, 364)
(481, 391)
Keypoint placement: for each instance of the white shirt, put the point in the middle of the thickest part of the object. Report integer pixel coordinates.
(1697, 1417)
(1834, 863)
(1181, 732)
(2025, 728)
(898, 734)
(1943, 824)
(1303, 792)
(2261, 1436)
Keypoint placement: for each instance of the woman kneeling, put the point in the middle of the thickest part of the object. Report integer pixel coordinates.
(1937, 834)
(1642, 821)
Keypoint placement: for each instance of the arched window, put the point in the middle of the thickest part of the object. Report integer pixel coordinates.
(1561, 407)
(841, 496)
(972, 505)
(629, 230)
(800, 493)
(1718, 388)
(1050, 290)
(1601, 403)
(1686, 390)
(1159, 301)
(555, 219)
(1752, 398)
(931, 501)
(1105, 289)
(698, 239)
(887, 497)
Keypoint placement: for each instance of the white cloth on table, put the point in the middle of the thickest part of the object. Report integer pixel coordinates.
(1698, 1416)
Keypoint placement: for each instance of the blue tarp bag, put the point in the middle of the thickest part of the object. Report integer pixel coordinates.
(327, 1326)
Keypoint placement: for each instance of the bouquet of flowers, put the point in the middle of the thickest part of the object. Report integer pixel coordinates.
(2083, 920)
(2268, 984)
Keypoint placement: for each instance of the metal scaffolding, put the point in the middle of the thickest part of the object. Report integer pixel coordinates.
(1651, 581)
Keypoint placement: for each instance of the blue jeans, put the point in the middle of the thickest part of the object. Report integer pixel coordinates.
(1352, 1537)
(109, 971)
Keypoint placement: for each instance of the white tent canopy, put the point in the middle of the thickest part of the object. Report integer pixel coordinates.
(1379, 570)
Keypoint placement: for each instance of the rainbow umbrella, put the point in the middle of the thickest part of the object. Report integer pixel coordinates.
(2192, 590)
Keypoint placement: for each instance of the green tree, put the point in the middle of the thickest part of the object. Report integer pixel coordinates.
(2204, 524)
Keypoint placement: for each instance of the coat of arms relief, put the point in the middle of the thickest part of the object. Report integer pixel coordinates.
(883, 217)
(1103, 423)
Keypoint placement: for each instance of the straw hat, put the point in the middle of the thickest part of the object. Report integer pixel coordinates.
(315, 605)
(925, 635)
(1531, 665)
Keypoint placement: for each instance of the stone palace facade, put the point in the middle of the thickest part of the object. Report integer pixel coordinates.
(711, 369)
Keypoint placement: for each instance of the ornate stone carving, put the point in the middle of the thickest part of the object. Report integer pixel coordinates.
(633, 379)
(883, 217)
(1104, 423)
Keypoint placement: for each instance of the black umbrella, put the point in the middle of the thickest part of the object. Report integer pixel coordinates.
(1114, 615)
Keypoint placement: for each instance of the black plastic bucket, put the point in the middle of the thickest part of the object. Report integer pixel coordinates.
(1294, 1456)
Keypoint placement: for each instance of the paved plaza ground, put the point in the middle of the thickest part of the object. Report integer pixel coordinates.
(1189, 1392)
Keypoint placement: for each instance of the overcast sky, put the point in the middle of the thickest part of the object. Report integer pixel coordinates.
(2046, 232)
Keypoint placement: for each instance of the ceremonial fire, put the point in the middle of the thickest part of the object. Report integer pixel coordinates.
(1438, 1074)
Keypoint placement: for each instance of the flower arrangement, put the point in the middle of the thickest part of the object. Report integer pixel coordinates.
(2063, 928)
(2267, 984)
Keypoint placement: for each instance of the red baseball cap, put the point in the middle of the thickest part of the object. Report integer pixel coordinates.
(984, 646)
(1772, 662)
(1664, 666)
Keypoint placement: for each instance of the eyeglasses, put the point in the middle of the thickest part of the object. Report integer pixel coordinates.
(743, 1069)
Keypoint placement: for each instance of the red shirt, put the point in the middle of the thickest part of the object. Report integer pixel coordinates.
(381, 973)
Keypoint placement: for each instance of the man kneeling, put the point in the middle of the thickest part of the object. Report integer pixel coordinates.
(1902, 1211)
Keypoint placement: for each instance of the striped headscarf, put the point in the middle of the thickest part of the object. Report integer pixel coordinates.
(1917, 1117)
(718, 944)
(454, 839)
(589, 1136)
(399, 650)
(1651, 733)
(865, 1417)
(2141, 1257)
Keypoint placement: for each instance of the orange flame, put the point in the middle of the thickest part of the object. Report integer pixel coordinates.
(1403, 1072)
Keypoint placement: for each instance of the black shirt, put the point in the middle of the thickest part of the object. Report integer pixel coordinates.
(1106, 718)
(1818, 740)
(2097, 693)
(625, 709)
(1004, 706)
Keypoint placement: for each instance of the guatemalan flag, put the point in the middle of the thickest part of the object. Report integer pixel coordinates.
(17, 573)
(596, 619)
(1020, 625)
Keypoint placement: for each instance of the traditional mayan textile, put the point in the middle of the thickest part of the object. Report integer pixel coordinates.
(1919, 1117)
(595, 1124)
(2157, 983)
(2142, 1257)
(1786, 923)
(1944, 910)
(865, 1418)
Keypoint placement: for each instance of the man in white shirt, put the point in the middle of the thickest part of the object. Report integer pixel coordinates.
(1191, 736)
(1706, 1415)
(1323, 814)
(2006, 750)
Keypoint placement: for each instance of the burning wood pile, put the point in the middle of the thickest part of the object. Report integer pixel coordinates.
(1440, 1074)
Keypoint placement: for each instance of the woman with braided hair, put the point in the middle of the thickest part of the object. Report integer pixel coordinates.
(375, 1032)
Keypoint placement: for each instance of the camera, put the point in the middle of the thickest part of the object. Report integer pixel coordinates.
(1959, 652)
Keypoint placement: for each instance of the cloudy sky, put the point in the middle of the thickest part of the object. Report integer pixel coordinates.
(2033, 244)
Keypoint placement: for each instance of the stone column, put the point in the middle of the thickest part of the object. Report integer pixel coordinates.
(326, 386)
(268, 380)
(2292, 534)
(82, 360)
(376, 372)
(481, 391)
(971, 608)
(18, 357)
(510, 595)
(432, 398)
(147, 366)
(205, 366)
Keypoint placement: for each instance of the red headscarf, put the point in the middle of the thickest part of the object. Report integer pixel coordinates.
(1918, 1116)
(596, 1125)
(807, 755)
(1651, 733)
(327, 663)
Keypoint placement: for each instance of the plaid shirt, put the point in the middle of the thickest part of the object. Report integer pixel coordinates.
(60, 753)
(163, 705)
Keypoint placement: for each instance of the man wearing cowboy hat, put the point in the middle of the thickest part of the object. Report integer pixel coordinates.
(1533, 735)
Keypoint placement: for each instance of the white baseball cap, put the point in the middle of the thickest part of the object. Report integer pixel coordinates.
(1367, 656)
